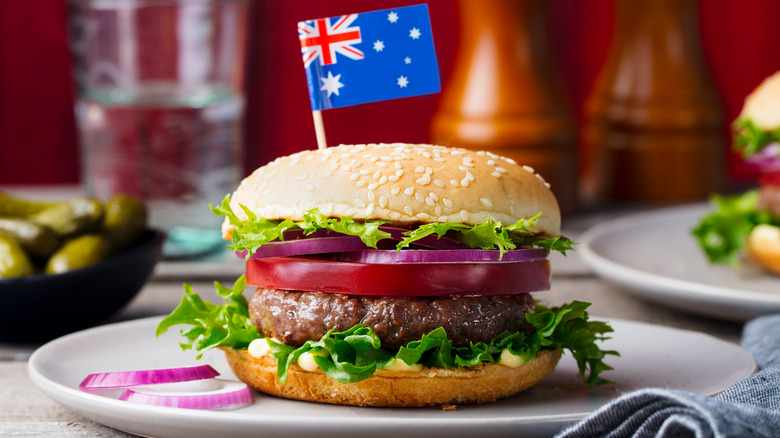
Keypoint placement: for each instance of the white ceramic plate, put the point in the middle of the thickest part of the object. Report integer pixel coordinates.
(650, 356)
(654, 256)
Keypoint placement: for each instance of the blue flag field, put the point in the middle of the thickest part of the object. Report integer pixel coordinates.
(368, 57)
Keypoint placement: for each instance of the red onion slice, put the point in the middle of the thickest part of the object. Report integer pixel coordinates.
(307, 246)
(440, 256)
(123, 379)
(227, 394)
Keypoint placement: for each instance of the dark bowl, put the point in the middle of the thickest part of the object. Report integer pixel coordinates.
(42, 307)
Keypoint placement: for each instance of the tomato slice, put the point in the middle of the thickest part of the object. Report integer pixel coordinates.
(770, 178)
(403, 279)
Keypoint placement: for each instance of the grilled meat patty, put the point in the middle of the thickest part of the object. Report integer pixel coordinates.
(295, 317)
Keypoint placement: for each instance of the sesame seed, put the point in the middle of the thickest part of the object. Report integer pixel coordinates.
(439, 159)
(430, 201)
(546, 184)
(509, 160)
(371, 196)
(400, 172)
(491, 162)
(408, 210)
(392, 178)
(386, 158)
(433, 196)
(426, 155)
(382, 180)
(502, 170)
(381, 164)
(468, 164)
(301, 177)
(376, 175)
(364, 172)
(350, 212)
(309, 188)
(496, 174)
(438, 182)
(442, 219)
(447, 203)
(463, 168)
(334, 166)
(374, 158)
(345, 167)
(372, 186)
(383, 201)
(419, 169)
(464, 182)
(354, 176)
(424, 180)
(360, 184)
(395, 215)
(455, 182)
(457, 152)
(470, 176)
(409, 191)
(398, 165)
(370, 209)
(464, 215)
(486, 202)
(423, 216)
(540, 177)
(419, 197)
(428, 171)
(357, 164)
(327, 209)
(528, 169)
(395, 190)
(437, 211)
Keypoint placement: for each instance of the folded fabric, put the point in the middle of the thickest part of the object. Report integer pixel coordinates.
(750, 408)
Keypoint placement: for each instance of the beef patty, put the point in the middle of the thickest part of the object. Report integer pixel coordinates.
(295, 317)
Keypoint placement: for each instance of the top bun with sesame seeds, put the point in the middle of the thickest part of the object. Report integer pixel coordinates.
(406, 184)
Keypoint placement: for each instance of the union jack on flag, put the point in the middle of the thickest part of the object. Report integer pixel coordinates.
(368, 57)
(320, 38)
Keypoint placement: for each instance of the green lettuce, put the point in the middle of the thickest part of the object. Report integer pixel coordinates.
(249, 235)
(749, 140)
(356, 354)
(722, 233)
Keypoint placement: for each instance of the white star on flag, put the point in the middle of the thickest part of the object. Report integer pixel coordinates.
(403, 81)
(407, 60)
(379, 45)
(331, 84)
(392, 17)
(414, 33)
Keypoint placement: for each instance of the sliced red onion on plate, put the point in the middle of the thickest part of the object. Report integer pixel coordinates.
(440, 256)
(227, 394)
(123, 379)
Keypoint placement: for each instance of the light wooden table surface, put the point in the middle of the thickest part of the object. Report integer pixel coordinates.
(25, 411)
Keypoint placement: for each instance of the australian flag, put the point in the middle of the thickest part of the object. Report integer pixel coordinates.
(360, 58)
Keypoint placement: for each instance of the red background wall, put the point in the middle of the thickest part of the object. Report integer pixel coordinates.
(38, 139)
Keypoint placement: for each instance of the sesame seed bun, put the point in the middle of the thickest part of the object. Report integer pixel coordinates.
(763, 247)
(762, 106)
(430, 387)
(402, 183)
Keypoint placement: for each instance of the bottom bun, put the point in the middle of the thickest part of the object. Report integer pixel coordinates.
(764, 247)
(431, 387)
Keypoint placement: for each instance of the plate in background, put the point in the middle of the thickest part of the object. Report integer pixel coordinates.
(651, 356)
(655, 257)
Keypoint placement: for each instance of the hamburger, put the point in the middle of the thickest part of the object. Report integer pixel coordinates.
(392, 275)
(748, 225)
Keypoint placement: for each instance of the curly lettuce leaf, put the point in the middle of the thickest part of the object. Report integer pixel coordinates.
(722, 234)
(490, 234)
(356, 354)
(749, 140)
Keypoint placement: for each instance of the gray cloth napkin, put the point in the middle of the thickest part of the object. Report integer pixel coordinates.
(750, 408)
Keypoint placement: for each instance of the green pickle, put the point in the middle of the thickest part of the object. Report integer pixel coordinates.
(11, 206)
(14, 262)
(79, 252)
(37, 240)
(124, 222)
(72, 217)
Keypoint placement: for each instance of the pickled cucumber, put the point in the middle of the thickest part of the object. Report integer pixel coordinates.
(124, 222)
(11, 206)
(37, 240)
(71, 218)
(13, 260)
(78, 252)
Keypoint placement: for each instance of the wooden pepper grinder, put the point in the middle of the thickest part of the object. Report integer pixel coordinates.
(654, 124)
(503, 95)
